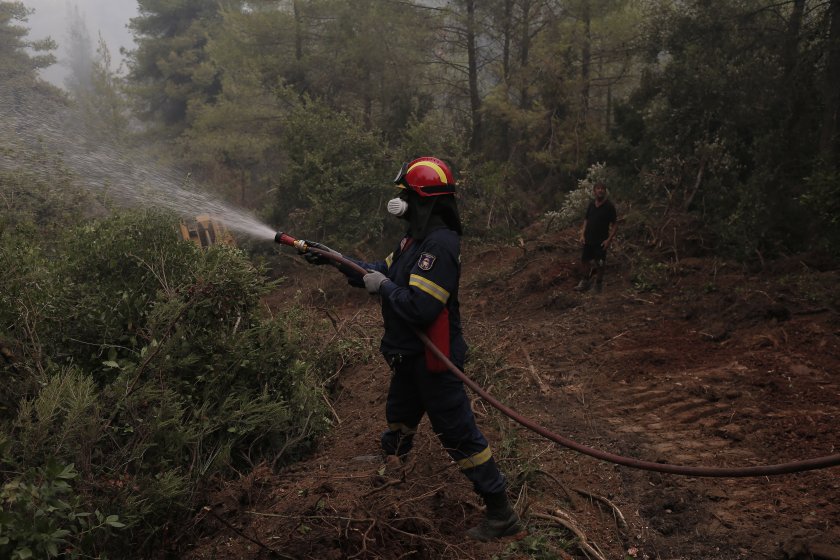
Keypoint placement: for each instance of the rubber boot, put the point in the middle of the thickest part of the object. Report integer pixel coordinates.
(500, 520)
(392, 470)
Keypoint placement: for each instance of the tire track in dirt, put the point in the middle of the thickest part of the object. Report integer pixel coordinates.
(670, 423)
(699, 405)
(640, 379)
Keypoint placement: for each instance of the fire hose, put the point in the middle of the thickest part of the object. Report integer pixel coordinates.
(722, 472)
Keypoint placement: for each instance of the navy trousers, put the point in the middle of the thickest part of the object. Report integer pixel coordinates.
(413, 392)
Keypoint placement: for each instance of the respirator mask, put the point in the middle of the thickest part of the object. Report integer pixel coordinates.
(397, 207)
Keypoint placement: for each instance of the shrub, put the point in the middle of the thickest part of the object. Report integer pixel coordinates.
(574, 206)
(148, 364)
(42, 517)
(333, 188)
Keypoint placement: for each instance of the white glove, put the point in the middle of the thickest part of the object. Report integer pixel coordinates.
(373, 281)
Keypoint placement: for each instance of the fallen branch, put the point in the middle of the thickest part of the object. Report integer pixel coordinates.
(330, 406)
(571, 526)
(534, 374)
(613, 338)
(365, 537)
(273, 553)
(562, 486)
(446, 545)
(614, 507)
(387, 484)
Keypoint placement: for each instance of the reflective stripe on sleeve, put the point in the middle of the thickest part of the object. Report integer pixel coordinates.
(476, 460)
(429, 287)
(388, 260)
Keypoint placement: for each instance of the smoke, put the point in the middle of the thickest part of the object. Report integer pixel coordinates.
(102, 18)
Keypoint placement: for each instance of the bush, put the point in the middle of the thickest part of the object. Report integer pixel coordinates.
(334, 187)
(42, 517)
(147, 363)
(573, 210)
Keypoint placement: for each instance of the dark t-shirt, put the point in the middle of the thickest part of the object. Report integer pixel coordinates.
(598, 220)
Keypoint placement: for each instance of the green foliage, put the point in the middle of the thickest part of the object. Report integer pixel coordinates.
(42, 517)
(724, 122)
(17, 63)
(822, 197)
(335, 185)
(487, 201)
(100, 100)
(169, 69)
(574, 206)
(107, 276)
(722, 114)
(37, 192)
(432, 133)
(147, 362)
(63, 419)
(542, 545)
(648, 275)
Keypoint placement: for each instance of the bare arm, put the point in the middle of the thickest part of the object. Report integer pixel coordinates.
(613, 230)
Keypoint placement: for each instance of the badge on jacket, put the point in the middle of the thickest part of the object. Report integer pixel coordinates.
(426, 261)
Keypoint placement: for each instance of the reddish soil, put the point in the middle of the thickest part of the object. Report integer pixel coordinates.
(714, 366)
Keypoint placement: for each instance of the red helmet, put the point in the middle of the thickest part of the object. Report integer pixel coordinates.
(427, 176)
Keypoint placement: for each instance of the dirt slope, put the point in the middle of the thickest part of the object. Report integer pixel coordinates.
(713, 367)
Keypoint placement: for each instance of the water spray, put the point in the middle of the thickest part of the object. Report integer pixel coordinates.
(31, 127)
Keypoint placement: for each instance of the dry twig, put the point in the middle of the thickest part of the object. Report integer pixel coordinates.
(534, 374)
(566, 521)
(616, 511)
(572, 499)
(273, 553)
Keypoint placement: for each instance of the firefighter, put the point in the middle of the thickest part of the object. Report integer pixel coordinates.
(418, 286)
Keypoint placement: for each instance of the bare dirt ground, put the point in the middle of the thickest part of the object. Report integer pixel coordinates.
(708, 365)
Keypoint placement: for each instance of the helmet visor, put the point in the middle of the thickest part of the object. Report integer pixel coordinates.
(400, 178)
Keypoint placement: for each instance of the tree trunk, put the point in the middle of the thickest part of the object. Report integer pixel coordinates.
(794, 94)
(507, 27)
(296, 76)
(585, 61)
(524, 54)
(828, 133)
(507, 31)
(298, 31)
(472, 62)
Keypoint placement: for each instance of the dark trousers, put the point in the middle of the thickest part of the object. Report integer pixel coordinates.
(593, 256)
(593, 252)
(413, 392)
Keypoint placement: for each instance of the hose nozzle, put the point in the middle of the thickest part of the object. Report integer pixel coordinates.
(286, 239)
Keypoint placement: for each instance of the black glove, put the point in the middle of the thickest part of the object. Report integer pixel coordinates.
(316, 258)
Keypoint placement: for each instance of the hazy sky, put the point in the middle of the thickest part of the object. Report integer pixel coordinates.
(106, 17)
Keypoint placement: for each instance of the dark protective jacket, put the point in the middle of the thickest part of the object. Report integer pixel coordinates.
(424, 278)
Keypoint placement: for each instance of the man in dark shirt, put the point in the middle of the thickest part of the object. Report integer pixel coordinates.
(596, 235)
